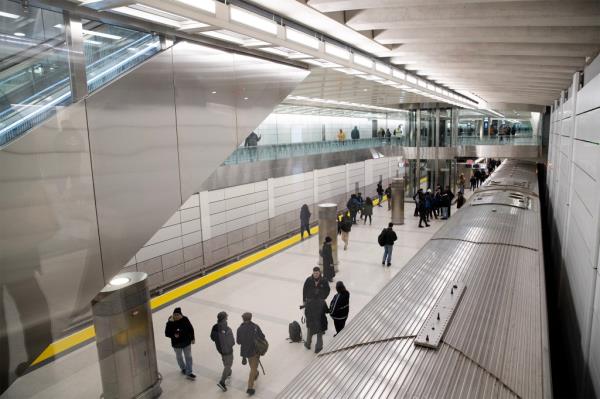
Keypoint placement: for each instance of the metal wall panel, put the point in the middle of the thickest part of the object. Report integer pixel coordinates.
(49, 248)
(134, 158)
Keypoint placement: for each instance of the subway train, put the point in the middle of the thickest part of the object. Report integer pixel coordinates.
(464, 318)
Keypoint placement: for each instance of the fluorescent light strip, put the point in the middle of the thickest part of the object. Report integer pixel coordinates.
(301, 38)
(411, 78)
(8, 15)
(337, 51)
(323, 63)
(399, 74)
(362, 60)
(146, 16)
(383, 68)
(252, 20)
(322, 101)
(350, 71)
(101, 34)
(204, 5)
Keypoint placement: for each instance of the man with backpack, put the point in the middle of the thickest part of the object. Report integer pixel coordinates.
(253, 345)
(344, 228)
(386, 239)
(222, 336)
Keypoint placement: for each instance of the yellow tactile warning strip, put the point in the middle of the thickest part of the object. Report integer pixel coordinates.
(88, 334)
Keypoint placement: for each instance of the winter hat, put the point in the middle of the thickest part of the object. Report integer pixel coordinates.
(221, 316)
(178, 311)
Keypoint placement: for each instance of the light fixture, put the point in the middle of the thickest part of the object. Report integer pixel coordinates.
(118, 281)
(383, 68)
(252, 20)
(411, 78)
(154, 15)
(362, 60)
(285, 52)
(337, 51)
(204, 5)
(301, 38)
(234, 37)
(191, 25)
(350, 71)
(322, 63)
(365, 89)
(19, 34)
(245, 98)
(8, 15)
(398, 74)
(100, 34)
(213, 92)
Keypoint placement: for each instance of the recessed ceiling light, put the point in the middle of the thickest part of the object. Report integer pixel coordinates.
(8, 15)
(365, 89)
(245, 98)
(213, 92)
(302, 38)
(19, 34)
(254, 21)
(117, 281)
(205, 5)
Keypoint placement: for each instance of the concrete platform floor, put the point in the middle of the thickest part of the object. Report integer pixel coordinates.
(272, 291)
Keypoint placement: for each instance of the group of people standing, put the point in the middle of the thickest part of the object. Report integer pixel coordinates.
(430, 205)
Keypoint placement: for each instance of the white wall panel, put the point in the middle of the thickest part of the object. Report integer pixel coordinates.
(589, 96)
(193, 201)
(236, 191)
(588, 126)
(594, 355)
(216, 195)
(161, 248)
(189, 214)
(586, 156)
(191, 239)
(166, 233)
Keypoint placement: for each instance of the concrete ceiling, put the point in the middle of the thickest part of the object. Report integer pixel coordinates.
(503, 51)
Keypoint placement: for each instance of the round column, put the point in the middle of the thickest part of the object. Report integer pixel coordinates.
(328, 222)
(398, 200)
(125, 338)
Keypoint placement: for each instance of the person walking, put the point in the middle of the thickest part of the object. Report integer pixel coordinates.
(252, 140)
(450, 195)
(460, 200)
(327, 255)
(388, 237)
(388, 194)
(422, 210)
(379, 193)
(341, 136)
(340, 307)
(246, 336)
(315, 291)
(361, 203)
(352, 206)
(222, 336)
(461, 183)
(473, 181)
(344, 227)
(181, 332)
(355, 134)
(304, 221)
(368, 210)
(417, 198)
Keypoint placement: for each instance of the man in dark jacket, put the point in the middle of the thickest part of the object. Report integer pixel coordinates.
(354, 134)
(181, 332)
(450, 195)
(315, 291)
(388, 194)
(304, 221)
(389, 237)
(252, 140)
(222, 336)
(379, 194)
(353, 206)
(247, 332)
(422, 204)
(327, 256)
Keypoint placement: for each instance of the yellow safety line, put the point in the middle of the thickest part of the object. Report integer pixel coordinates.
(88, 333)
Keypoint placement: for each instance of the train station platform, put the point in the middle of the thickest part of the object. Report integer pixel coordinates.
(271, 290)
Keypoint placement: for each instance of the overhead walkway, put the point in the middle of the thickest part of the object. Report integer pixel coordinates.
(269, 285)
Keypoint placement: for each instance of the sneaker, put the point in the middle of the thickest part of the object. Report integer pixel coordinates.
(389, 264)
(221, 384)
(250, 391)
(382, 263)
(183, 372)
(317, 351)
(307, 347)
(191, 376)
(420, 226)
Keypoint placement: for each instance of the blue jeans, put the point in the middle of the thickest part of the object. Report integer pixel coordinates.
(180, 354)
(387, 253)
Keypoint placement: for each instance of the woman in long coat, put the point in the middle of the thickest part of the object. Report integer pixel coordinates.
(340, 306)
(327, 254)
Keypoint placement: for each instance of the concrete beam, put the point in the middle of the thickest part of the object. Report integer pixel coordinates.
(500, 66)
(442, 60)
(570, 35)
(343, 5)
(550, 13)
(510, 49)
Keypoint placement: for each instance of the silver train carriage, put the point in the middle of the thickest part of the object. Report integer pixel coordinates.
(464, 318)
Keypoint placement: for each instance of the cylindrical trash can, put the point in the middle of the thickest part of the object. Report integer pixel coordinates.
(328, 222)
(398, 200)
(125, 339)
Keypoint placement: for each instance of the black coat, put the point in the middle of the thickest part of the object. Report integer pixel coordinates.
(327, 254)
(180, 331)
(340, 306)
(389, 236)
(312, 290)
(222, 336)
(246, 333)
(304, 215)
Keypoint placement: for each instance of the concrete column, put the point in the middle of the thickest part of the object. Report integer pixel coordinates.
(398, 200)
(328, 222)
(125, 338)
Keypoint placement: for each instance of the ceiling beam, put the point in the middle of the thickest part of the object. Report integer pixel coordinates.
(503, 15)
(568, 35)
(327, 6)
(511, 49)
(440, 59)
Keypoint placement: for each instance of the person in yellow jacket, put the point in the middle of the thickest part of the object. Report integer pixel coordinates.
(341, 136)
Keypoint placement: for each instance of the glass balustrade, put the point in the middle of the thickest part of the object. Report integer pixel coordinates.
(35, 76)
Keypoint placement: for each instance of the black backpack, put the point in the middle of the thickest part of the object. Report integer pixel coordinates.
(295, 332)
(381, 238)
